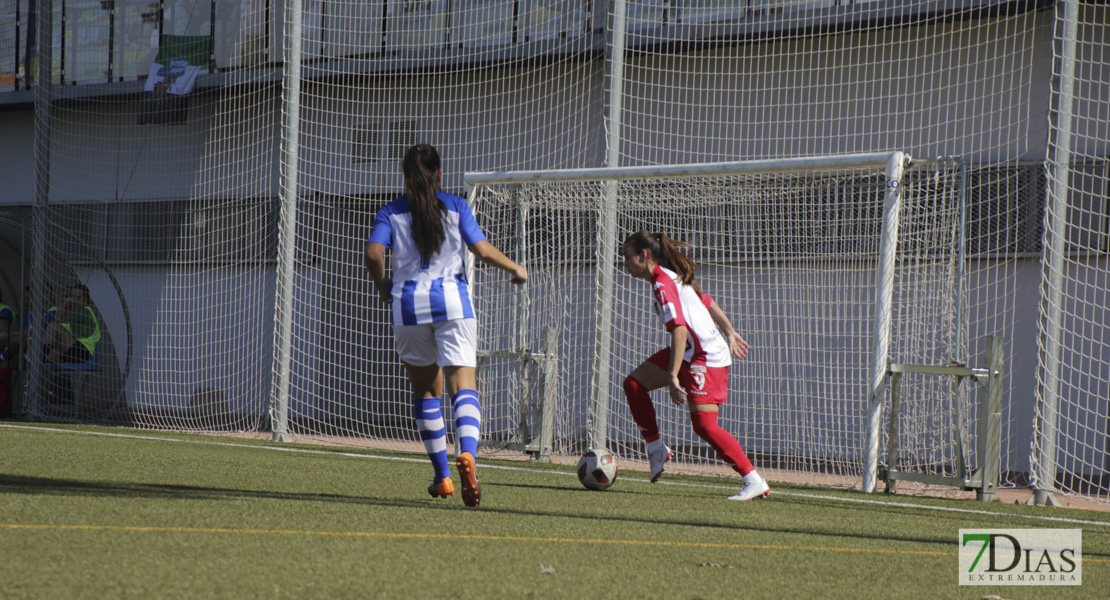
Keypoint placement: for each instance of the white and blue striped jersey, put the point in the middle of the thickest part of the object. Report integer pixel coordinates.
(427, 292)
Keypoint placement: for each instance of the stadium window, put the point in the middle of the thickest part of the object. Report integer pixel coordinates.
(14, 46)
(383, 140)
(555, 19)
(142, 232)
(170, 231)
(366, 143)
(402, 136)
(483, 23)
(1088, 208)
(1005, 208)
(110, 40)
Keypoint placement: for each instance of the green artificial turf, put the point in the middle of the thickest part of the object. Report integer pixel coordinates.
(91, 512)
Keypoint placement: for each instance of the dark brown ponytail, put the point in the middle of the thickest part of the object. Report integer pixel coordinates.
(428, 213)
(668, 253)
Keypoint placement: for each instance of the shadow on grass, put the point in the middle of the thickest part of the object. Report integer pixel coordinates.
(71, 487)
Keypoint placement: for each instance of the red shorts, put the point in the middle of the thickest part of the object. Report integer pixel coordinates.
(703, 385)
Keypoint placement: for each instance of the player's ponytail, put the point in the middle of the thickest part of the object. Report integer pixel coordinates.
(668, 253)
(428, 213)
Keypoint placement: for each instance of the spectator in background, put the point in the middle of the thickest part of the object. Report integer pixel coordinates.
(8, 323)
(13, 336)
(72, 329)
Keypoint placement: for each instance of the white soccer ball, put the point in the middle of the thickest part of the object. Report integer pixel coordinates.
(597, 469)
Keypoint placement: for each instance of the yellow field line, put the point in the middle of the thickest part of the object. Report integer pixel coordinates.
(493, 538)
(446, 536)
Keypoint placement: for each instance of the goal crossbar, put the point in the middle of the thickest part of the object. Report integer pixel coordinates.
(781, 165)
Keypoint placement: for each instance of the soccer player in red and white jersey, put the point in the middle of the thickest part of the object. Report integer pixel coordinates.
(694, 369)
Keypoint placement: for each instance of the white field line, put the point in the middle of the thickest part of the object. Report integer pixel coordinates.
(566, 474)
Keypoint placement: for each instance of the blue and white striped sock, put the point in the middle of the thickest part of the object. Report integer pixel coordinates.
(468, 421)
(429, 422)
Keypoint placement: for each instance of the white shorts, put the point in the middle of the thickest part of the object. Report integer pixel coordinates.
(445, 343)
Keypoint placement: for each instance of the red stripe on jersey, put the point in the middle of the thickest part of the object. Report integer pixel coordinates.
(667, 299)
(679, 304)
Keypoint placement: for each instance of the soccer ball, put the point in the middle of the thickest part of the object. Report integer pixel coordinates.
(597, 469)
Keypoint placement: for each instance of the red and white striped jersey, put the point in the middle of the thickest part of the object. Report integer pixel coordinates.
(679, 304)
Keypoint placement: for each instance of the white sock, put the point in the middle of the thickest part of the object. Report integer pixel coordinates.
(653, 446)
(753, 477)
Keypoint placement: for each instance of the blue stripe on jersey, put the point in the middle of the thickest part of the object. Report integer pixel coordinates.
(428, 295)
(464, 296)
(437, 301)
(408, 303)
(468, 225)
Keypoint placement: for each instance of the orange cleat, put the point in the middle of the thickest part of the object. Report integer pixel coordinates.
(471, 493)
(443, 489)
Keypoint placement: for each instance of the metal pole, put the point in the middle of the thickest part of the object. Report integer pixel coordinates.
(606, 235)
(287, 252)
(44, 96)
(548, 396)
(1044, 472)
(962, 260)
(615, 80)
(884, 294)
(989, 446)
(522, 319)
(524, 300)
(892, 431)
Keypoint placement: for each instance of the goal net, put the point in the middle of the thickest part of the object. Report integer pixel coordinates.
(790, 251)
(219, 231)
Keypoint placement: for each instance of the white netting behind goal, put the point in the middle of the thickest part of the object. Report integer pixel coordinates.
(492, 85)
(155, 170)
(1073, 410)
(790, 258)
(204, 239)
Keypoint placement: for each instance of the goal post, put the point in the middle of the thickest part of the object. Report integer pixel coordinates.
(884, 292)
(789, 247)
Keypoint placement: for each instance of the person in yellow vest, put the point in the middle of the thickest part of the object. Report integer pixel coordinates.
(73, 329)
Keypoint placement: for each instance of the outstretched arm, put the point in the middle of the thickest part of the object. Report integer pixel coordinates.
(489, 254)
(736, 344)
(374, 259)
(679, 335)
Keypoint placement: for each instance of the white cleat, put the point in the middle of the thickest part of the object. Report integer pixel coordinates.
(753, 488)
(657, 459)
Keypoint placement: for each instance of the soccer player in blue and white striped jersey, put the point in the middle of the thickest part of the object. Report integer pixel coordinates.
(428, 232)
